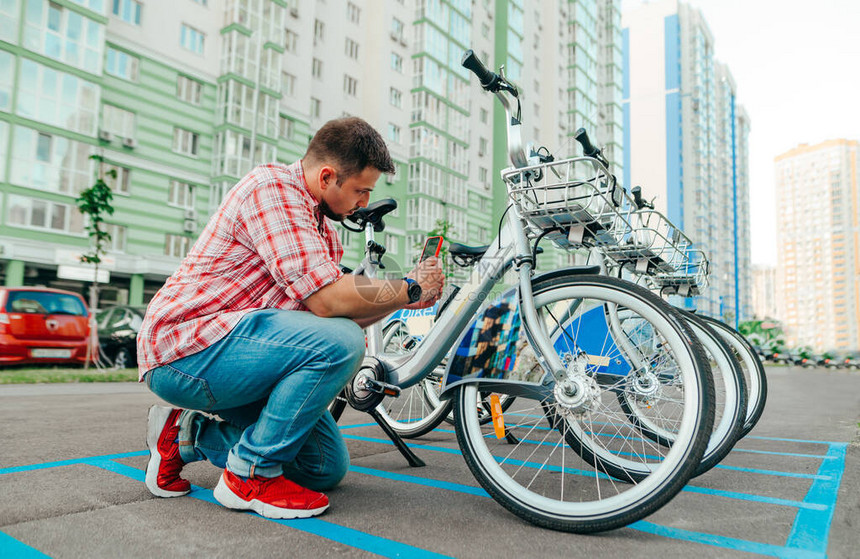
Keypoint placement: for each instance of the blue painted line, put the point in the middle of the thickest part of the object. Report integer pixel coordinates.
(10, 547)
(753, 498)
(722, 541)
(341, 534)
(357, 425)
(790, 440)
(437, 484)
(72, 462)
(411, 445)
(792, 454)
(812, 527)
(772, 472)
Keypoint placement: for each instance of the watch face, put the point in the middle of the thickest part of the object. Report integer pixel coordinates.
(414, 291)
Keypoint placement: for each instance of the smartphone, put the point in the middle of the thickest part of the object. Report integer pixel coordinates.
(432, 246)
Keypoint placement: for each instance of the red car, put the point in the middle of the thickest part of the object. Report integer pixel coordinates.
(42, 325)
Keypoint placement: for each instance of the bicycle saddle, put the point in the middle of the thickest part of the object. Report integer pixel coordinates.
(372, 214)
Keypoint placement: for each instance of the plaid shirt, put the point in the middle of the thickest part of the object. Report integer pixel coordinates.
(267, 246)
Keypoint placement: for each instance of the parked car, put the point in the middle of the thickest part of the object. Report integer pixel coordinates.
(849, 361)
(42, 325)
(118, 327)
(803, 357)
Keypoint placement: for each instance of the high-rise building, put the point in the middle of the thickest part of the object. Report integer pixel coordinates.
(764, 292)
(818, 254)
(183, 98)
(685, 143)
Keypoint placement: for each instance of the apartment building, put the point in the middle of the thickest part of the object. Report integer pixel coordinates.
(183, 98)
(764, 292)
(818, 253)
(686, 143)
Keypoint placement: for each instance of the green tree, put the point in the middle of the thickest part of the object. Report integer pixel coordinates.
(95, 203)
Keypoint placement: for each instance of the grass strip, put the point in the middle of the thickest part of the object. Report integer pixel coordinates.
(63, 375)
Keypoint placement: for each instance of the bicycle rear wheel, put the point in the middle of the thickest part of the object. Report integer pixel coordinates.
(418, 409)
(535, 471)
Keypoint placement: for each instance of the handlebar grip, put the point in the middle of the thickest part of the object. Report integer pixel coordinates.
(588, 149)
(472, 62)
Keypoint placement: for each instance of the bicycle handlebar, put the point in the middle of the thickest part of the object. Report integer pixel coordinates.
(487, 78)
(636, 191)
(588, 148)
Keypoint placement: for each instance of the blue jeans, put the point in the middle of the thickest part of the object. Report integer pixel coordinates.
(270, 380)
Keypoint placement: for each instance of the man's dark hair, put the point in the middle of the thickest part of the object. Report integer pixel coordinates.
(351, 145)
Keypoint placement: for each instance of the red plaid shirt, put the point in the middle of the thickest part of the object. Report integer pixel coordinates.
(267, 246)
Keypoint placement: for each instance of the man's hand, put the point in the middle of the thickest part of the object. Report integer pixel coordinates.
(430, 277)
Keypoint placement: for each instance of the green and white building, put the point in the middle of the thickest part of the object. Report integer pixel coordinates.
(183, 97)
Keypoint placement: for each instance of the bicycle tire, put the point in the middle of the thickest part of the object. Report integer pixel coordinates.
(753, 370)
(598, 502)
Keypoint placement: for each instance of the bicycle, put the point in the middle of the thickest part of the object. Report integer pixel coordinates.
(568, 426)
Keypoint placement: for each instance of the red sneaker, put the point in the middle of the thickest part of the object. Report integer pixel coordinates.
(162, 471)
(272, 497)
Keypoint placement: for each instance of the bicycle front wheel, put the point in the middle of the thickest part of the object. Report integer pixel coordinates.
(538, 469)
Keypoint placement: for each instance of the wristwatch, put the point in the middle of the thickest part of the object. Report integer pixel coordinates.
(413, 289)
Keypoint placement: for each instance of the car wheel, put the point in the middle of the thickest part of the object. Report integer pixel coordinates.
(122, 359)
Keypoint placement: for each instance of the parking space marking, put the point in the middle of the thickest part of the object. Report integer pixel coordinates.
(335, 532)
(812, 527)
(808, 537)
(10, 547)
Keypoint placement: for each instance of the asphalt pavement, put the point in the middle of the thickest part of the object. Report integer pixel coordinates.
(71, 485)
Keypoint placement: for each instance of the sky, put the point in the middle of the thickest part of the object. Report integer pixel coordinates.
(796, 64)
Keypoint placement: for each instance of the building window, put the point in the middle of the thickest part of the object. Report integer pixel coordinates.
(119, 122)
(396, 28)
(286, 127)
(482, 146)
(316, 68)
(485, 30)
(315, 107)
(41, 214)
(189, 90)
(482, 176)
(353, 13)
(7, 66)
(319, 31)
(118, 184)
(177, 245)
(180, 194)
(484, 116)
(185, 141)
(392, 244)
(395, 97)
(394, 133)
(127, 10)
(396, 62)
(121, 64)
(292, 42)
(350, 85)
(49, 162)
(288, 84)
(351, 49)
(191, 39)
(118, 234)
(57, 98)
(60, 33)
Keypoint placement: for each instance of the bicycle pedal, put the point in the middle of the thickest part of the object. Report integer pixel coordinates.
(380, 387)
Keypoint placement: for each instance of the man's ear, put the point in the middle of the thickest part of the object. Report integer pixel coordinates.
(327, 177)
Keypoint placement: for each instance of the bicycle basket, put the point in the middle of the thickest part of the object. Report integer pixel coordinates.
(563, 198)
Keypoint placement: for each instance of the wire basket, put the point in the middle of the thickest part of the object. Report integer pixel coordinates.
(689, 278)
(656, 248)
(573, 202)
